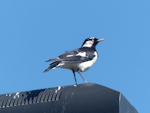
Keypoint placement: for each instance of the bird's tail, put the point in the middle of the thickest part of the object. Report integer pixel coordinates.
(52, 66)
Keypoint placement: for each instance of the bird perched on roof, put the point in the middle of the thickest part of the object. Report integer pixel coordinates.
(78, 60)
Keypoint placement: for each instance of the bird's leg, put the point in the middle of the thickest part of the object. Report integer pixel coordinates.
(82, 76)
(74, 76)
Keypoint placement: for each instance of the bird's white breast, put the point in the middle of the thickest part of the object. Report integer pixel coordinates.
(86, 65)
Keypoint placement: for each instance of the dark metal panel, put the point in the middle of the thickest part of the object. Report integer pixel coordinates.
(89, 98)
(84, 98)
(125, 106)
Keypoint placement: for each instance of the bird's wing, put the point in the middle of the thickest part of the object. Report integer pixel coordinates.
(76, 56)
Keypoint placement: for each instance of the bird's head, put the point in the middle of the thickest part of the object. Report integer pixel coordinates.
(91, 42)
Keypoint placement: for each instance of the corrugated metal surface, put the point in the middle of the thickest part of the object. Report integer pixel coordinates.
(29, 97)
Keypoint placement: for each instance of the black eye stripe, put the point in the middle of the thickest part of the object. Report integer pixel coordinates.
(90, 40)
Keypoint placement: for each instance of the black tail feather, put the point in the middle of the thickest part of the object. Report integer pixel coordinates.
(52, 66)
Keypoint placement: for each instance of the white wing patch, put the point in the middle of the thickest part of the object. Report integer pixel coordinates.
(83, 54)
(60, 64)
(69, 55)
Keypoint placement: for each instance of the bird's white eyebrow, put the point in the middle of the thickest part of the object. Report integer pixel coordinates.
(88, 44)
(91, 37)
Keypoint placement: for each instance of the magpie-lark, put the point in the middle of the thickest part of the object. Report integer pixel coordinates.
(78, 60)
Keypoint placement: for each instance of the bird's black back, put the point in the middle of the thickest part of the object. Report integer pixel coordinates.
(89, 51)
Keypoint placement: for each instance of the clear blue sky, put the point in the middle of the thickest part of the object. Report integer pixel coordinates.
(32, 32)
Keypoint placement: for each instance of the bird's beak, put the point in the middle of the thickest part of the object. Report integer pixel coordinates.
(99, 40)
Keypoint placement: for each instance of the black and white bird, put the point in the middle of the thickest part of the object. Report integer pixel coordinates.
(78, 60)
